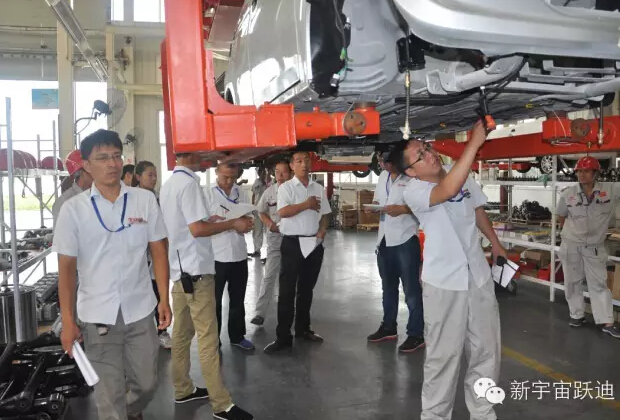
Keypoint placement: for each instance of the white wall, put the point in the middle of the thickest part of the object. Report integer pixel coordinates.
(92, 15)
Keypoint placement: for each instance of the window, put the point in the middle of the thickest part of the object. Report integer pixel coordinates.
(117, 10)
(148, 11)
(86, 93)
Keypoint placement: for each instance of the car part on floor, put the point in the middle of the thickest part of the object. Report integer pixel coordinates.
(37, 379)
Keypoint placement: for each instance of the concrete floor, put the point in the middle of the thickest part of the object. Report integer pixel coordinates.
(348, 378)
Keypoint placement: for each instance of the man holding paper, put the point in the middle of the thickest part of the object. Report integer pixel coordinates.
(103, 235)
(398, 257)
(460, 310)
(268, 212)
(227, 201)
(192, 268)
(305, 212)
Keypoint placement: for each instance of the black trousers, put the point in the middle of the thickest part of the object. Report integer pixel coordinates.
(298, 276)
(236, 275)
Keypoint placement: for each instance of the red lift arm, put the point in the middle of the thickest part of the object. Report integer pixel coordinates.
(559, 136)
(199, 120)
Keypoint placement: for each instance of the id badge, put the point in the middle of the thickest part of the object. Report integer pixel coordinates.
(382, 217)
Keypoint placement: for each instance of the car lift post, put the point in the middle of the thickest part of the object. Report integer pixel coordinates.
(201, 121)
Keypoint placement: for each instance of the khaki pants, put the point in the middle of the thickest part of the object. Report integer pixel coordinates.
(257, 234)
(272, 269)
(125, 357)
(457, 321)
(581, 262)
(195, 315)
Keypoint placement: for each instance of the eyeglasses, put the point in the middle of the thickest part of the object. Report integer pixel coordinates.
(105, 158)
(426, 149)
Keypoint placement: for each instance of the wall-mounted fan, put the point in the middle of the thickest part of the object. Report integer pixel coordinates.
(133, 137)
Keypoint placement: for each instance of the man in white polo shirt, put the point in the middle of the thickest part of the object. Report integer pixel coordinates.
(460, 309)
(398, 257)
(305, 211)
(103, 235)
(187, 217)
(268, 212)
(230, 250)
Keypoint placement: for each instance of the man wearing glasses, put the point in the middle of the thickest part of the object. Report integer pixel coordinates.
(460, 309)
(103, 235)
(398, 256)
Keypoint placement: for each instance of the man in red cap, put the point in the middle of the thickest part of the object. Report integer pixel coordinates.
(584, 211)
(82, 181)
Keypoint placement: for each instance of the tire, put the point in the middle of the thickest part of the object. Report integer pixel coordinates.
(545, 164)
(360, 174)
(374, 165)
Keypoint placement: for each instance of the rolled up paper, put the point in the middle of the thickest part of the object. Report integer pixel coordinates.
(88, 372)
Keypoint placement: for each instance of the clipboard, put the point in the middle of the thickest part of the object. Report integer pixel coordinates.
(503, 271)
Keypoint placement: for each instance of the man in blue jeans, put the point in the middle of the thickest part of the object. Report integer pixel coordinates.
(398, 258)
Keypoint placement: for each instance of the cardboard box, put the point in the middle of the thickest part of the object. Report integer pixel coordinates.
(368, 218)
(615, 286)
(364, 197)
(539, 257)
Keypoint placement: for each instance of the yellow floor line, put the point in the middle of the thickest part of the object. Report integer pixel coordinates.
(549, 372)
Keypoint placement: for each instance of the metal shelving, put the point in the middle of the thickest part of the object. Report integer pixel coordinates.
(10, 227)
(517, 239)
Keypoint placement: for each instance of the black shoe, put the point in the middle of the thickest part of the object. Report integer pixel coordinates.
(198, 394)
(382, 334)
(612, 330)
(263, 260)
(411, 344)
(278, 346)
(258, 320)
(310, 336)
(577, 322)
(234, 413)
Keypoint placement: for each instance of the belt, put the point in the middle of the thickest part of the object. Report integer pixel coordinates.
(299, 236)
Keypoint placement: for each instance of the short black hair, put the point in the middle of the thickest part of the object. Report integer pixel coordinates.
(100, 138)
(142, 166)
(397, 156)
(128, 169)
(283, 161)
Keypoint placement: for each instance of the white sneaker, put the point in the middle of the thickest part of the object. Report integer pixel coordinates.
(164, 340)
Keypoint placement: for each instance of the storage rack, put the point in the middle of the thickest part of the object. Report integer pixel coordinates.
(552, 187)
(10, 228)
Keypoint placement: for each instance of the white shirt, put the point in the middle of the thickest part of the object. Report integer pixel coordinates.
(396, 230)
(305, 223)
(228, 246)
(587, 223)
(268, 203)
(64, 197)
(183, 203)
(452, 249)
(111, 266)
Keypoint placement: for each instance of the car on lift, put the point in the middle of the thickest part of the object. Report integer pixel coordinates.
(430, 66)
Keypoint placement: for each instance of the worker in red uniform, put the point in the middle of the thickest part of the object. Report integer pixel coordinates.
(584, 210)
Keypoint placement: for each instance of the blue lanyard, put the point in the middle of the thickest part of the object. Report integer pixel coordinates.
(388, 185)
(458, 200)
(185, 172)
(235, 201)
(92, 200)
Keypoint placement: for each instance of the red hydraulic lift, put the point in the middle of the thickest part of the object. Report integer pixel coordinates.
(559, 136)
(198, 119)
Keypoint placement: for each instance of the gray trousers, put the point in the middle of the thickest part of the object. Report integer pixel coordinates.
(581, 262)
(124, 358)
(455, 321)
(272, 270)
(257, 233)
